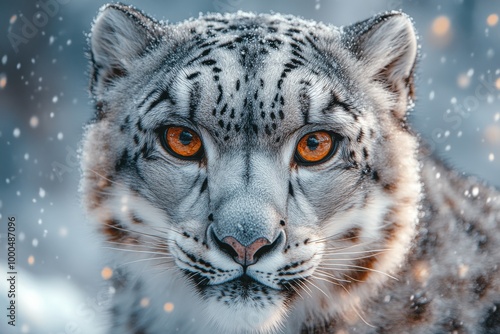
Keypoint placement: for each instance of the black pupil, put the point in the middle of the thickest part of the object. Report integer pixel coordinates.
(185, 137)
(312, 142)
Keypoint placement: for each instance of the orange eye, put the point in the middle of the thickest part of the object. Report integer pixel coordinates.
(315, 147)
(183, 143)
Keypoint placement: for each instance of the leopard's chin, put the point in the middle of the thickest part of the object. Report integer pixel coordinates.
(245, 305)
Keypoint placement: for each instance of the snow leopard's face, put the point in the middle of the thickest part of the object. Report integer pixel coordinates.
(261, 163)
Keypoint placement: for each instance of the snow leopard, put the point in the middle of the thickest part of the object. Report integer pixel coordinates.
(258, 173)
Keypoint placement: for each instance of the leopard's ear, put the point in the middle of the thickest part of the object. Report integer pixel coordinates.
(387, 45)
(119, 34)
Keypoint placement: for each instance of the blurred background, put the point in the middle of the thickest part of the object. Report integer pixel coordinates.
(44, 105)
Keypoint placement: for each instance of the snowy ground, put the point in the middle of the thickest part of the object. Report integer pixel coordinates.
(44, 105)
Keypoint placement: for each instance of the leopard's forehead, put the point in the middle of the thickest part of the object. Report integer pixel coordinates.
(249, 77)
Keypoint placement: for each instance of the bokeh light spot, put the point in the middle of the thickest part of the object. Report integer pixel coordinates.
(441, 26)
(106, 273)
(144, 302)
(3, 80)
(168, 307)
(492, 20)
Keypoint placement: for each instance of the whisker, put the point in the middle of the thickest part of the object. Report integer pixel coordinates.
(317, 287)
(324, 273)
(325, 280)
(133, 250)
(148, 259)
(334, 266)
(104, 177)
(356, 311)
(353, 258)
(331, 252)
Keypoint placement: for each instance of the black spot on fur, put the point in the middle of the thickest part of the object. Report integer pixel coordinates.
(490, 324)
(145, 151)
(164, 96)
(267, 130)
(139, 125)
(290, 189)
(193, 75)
(204, 186)
(360, 136)
(452, 325)
(208, 62)
(219, 98)
(223, 110)
(123, 161)
(418, 306)
(298, 55)
(238, 85)
(480, 285)
(203, 54)
(99, 110)
(194, 99)
(365, 153)
(305, 104)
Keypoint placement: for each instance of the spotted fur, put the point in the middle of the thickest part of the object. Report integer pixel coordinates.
(379, 238)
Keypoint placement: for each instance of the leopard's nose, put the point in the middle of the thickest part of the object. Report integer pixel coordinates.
(245, 255)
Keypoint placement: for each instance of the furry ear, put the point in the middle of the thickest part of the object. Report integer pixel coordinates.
(119, 34)
(387, 45)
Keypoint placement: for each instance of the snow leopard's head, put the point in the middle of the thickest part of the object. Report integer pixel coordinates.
(250, 165)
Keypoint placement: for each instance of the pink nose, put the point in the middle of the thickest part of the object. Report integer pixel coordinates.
(246, 255)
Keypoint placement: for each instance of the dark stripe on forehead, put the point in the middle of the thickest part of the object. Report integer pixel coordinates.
(194, 100)
(164, 96)
(305, 105)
